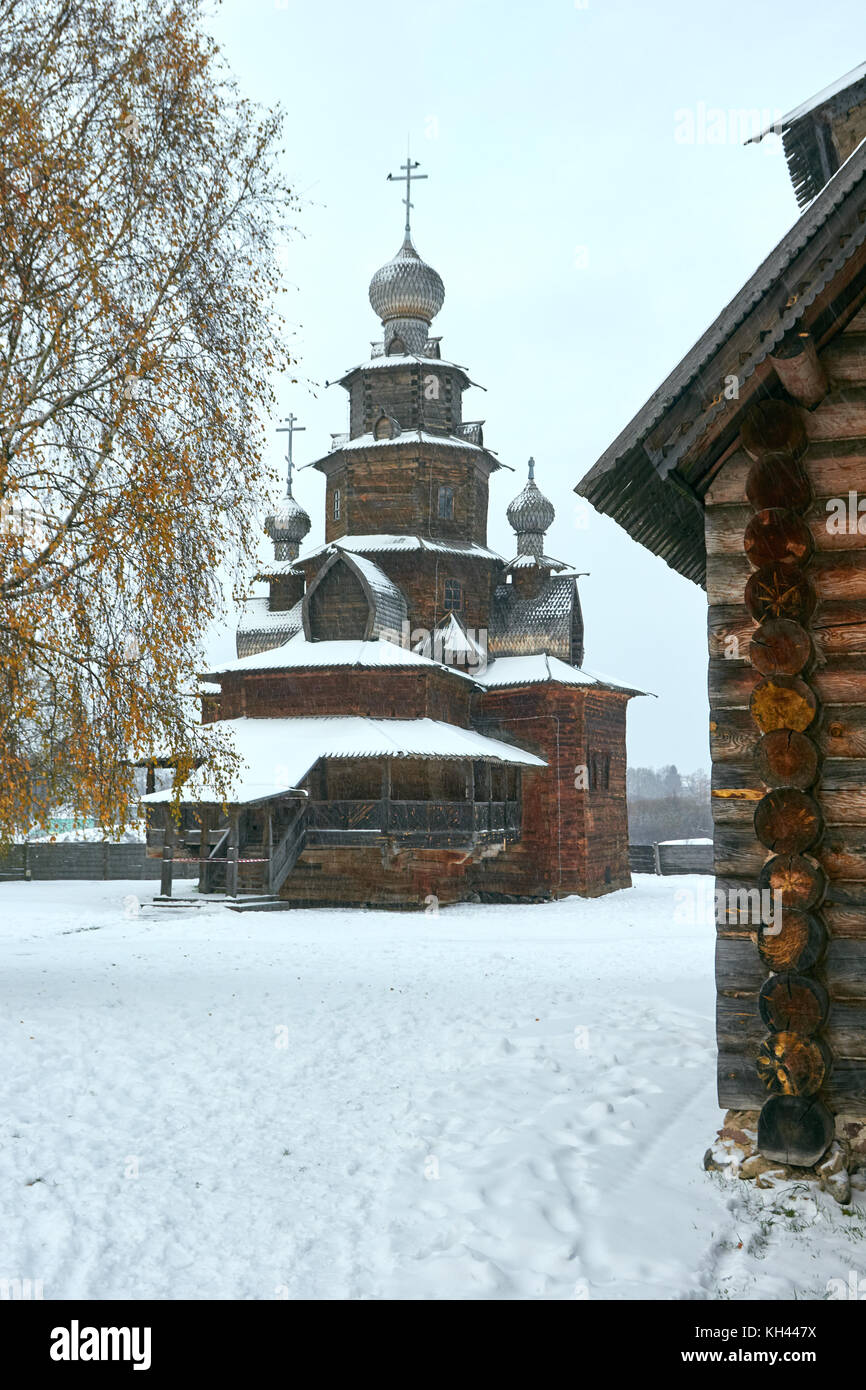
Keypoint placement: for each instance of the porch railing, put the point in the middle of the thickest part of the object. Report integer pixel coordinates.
(414, 817)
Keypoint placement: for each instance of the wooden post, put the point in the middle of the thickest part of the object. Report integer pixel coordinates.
(232, 856)
(150, 779)
(386, 793)
(204, 848)
(167, 855)
(269, 846)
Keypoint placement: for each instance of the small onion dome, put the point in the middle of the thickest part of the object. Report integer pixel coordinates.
(407, 288)
(287, 522)
(530, 512)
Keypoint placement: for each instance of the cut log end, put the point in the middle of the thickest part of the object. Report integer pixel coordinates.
(780, 591)
(788, 821)
(791, 1065)
(773, 427)
(795, 942)
(777, 534)
(799, 881)
(793, 1003)
(780, 647)
(783, 702)
(795, 1129)
(785, 758)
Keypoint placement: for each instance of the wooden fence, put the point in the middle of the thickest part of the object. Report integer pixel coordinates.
(671, 858)
(83, 859)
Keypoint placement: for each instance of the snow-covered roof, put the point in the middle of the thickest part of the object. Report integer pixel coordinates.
(533, 670)
(370, 544)
(278, 753)
(525, 562)
(451, 643)
(261, 627)
(300, 655)
(369, 441)
(278, 569)
(411, 359)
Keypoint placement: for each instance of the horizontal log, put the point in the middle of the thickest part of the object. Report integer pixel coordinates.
(740, 1089)
(725, 528)
(843, 909)
(840, 681)
(740, 971)
(840, 788)
(740, 1028)
(832, 466)
(836, 576)
(841, 415)
(739, 854)
(844, 360)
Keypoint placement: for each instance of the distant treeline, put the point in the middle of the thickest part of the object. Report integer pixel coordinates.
(664, 804)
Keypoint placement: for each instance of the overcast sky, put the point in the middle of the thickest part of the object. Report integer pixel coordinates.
(590, 210)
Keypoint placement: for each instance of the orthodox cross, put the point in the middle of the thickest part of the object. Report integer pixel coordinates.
(408, 174)
(291, 429)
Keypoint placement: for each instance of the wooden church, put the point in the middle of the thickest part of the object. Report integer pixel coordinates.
(746, 471)
(410, 708)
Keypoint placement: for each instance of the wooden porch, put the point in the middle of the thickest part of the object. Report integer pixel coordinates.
(252, 849)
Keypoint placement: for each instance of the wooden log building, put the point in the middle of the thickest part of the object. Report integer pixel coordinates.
(746, 471)
(411, 710)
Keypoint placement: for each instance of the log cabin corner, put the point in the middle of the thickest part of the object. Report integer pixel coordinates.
(746, 472)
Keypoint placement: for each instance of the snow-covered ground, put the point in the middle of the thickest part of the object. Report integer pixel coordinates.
(495, 1102)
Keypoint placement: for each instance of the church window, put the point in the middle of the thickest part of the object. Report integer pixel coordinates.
(446, 503)
(337, 503)
(599, 772)
(453, 595)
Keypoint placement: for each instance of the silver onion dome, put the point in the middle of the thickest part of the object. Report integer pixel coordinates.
(288, 521)
(287, 525)
(530, 515)
(407, 288)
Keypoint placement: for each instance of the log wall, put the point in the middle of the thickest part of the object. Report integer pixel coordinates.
(394, 490)
(377, 694)
(818, 708)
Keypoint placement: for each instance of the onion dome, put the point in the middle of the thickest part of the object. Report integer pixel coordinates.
(530, 515)
(287, 525)
(407, 294)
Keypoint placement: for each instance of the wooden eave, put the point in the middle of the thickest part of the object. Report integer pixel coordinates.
(654, 476)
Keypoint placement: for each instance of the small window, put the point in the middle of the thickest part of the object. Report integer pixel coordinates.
(446, 503)
(453, 595)
(337, 501)
(599, 772)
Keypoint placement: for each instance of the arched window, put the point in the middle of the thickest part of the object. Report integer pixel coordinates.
(337, 503)
(446, 504)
